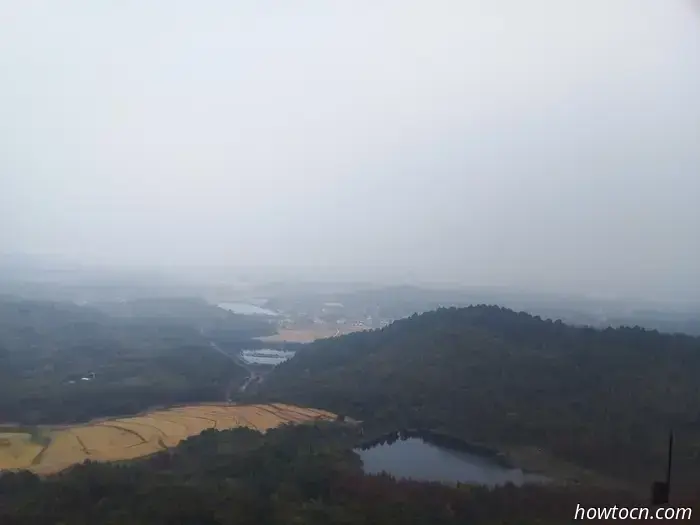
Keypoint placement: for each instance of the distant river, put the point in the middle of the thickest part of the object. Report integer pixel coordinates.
(246, 309)
(415, 458)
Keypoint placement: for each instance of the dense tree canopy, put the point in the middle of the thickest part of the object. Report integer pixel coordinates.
(135, 357)
(305, 474)
(602, 399)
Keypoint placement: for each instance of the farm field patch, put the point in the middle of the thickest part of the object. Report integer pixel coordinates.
(132, 437)
(308, 335)
(17, 449)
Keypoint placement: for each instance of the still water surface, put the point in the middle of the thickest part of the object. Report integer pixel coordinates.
(246, 309)
(266, 356)
(417, 459)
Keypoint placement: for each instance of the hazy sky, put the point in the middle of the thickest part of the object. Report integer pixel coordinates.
(551, 143)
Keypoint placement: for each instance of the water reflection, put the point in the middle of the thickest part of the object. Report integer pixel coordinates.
(247, 309)
(266, 356)
(416, 458)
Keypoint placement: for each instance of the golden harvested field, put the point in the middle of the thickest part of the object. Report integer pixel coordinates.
(132, 437)
(63, 451)
(308, 335)
(17, 449)
(102, 439)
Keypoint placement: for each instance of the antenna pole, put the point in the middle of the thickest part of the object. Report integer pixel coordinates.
(670, 460)
(660, 490)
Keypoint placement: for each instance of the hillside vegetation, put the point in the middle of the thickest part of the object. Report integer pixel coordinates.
(137, 356)
(602, 399)
(300, 474)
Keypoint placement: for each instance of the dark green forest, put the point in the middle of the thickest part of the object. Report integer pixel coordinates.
(586, 401)
(136, 355)
(304, 474)
(602, 400)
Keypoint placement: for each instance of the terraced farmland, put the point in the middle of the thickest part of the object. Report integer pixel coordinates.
(17, 449)
(131, 437)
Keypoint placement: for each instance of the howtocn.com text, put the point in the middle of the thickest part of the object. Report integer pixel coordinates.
(632, 513)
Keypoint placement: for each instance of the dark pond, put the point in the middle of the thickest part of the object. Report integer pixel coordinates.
(417, 458)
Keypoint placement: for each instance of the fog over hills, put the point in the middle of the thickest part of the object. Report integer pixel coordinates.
(542, 145)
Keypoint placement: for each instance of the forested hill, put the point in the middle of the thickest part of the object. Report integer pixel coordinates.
(603, 399)
(133, 356)
(291, 475)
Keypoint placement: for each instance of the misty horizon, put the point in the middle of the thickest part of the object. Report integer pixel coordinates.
(535, 146)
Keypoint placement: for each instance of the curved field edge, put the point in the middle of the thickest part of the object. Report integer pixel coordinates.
(136, 436)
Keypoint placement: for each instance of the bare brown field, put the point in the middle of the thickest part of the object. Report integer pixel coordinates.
(132, 437)
(308, 335)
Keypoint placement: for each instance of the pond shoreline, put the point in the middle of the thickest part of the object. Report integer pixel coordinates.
(441, 439)
(432, 456)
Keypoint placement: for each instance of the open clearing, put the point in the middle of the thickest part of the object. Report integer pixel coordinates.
(17, 449)
(132, 437)
(308, 335)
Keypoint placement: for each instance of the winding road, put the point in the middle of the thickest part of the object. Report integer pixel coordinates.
(253, 376)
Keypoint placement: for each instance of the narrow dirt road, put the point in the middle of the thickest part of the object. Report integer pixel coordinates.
(252, 374)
